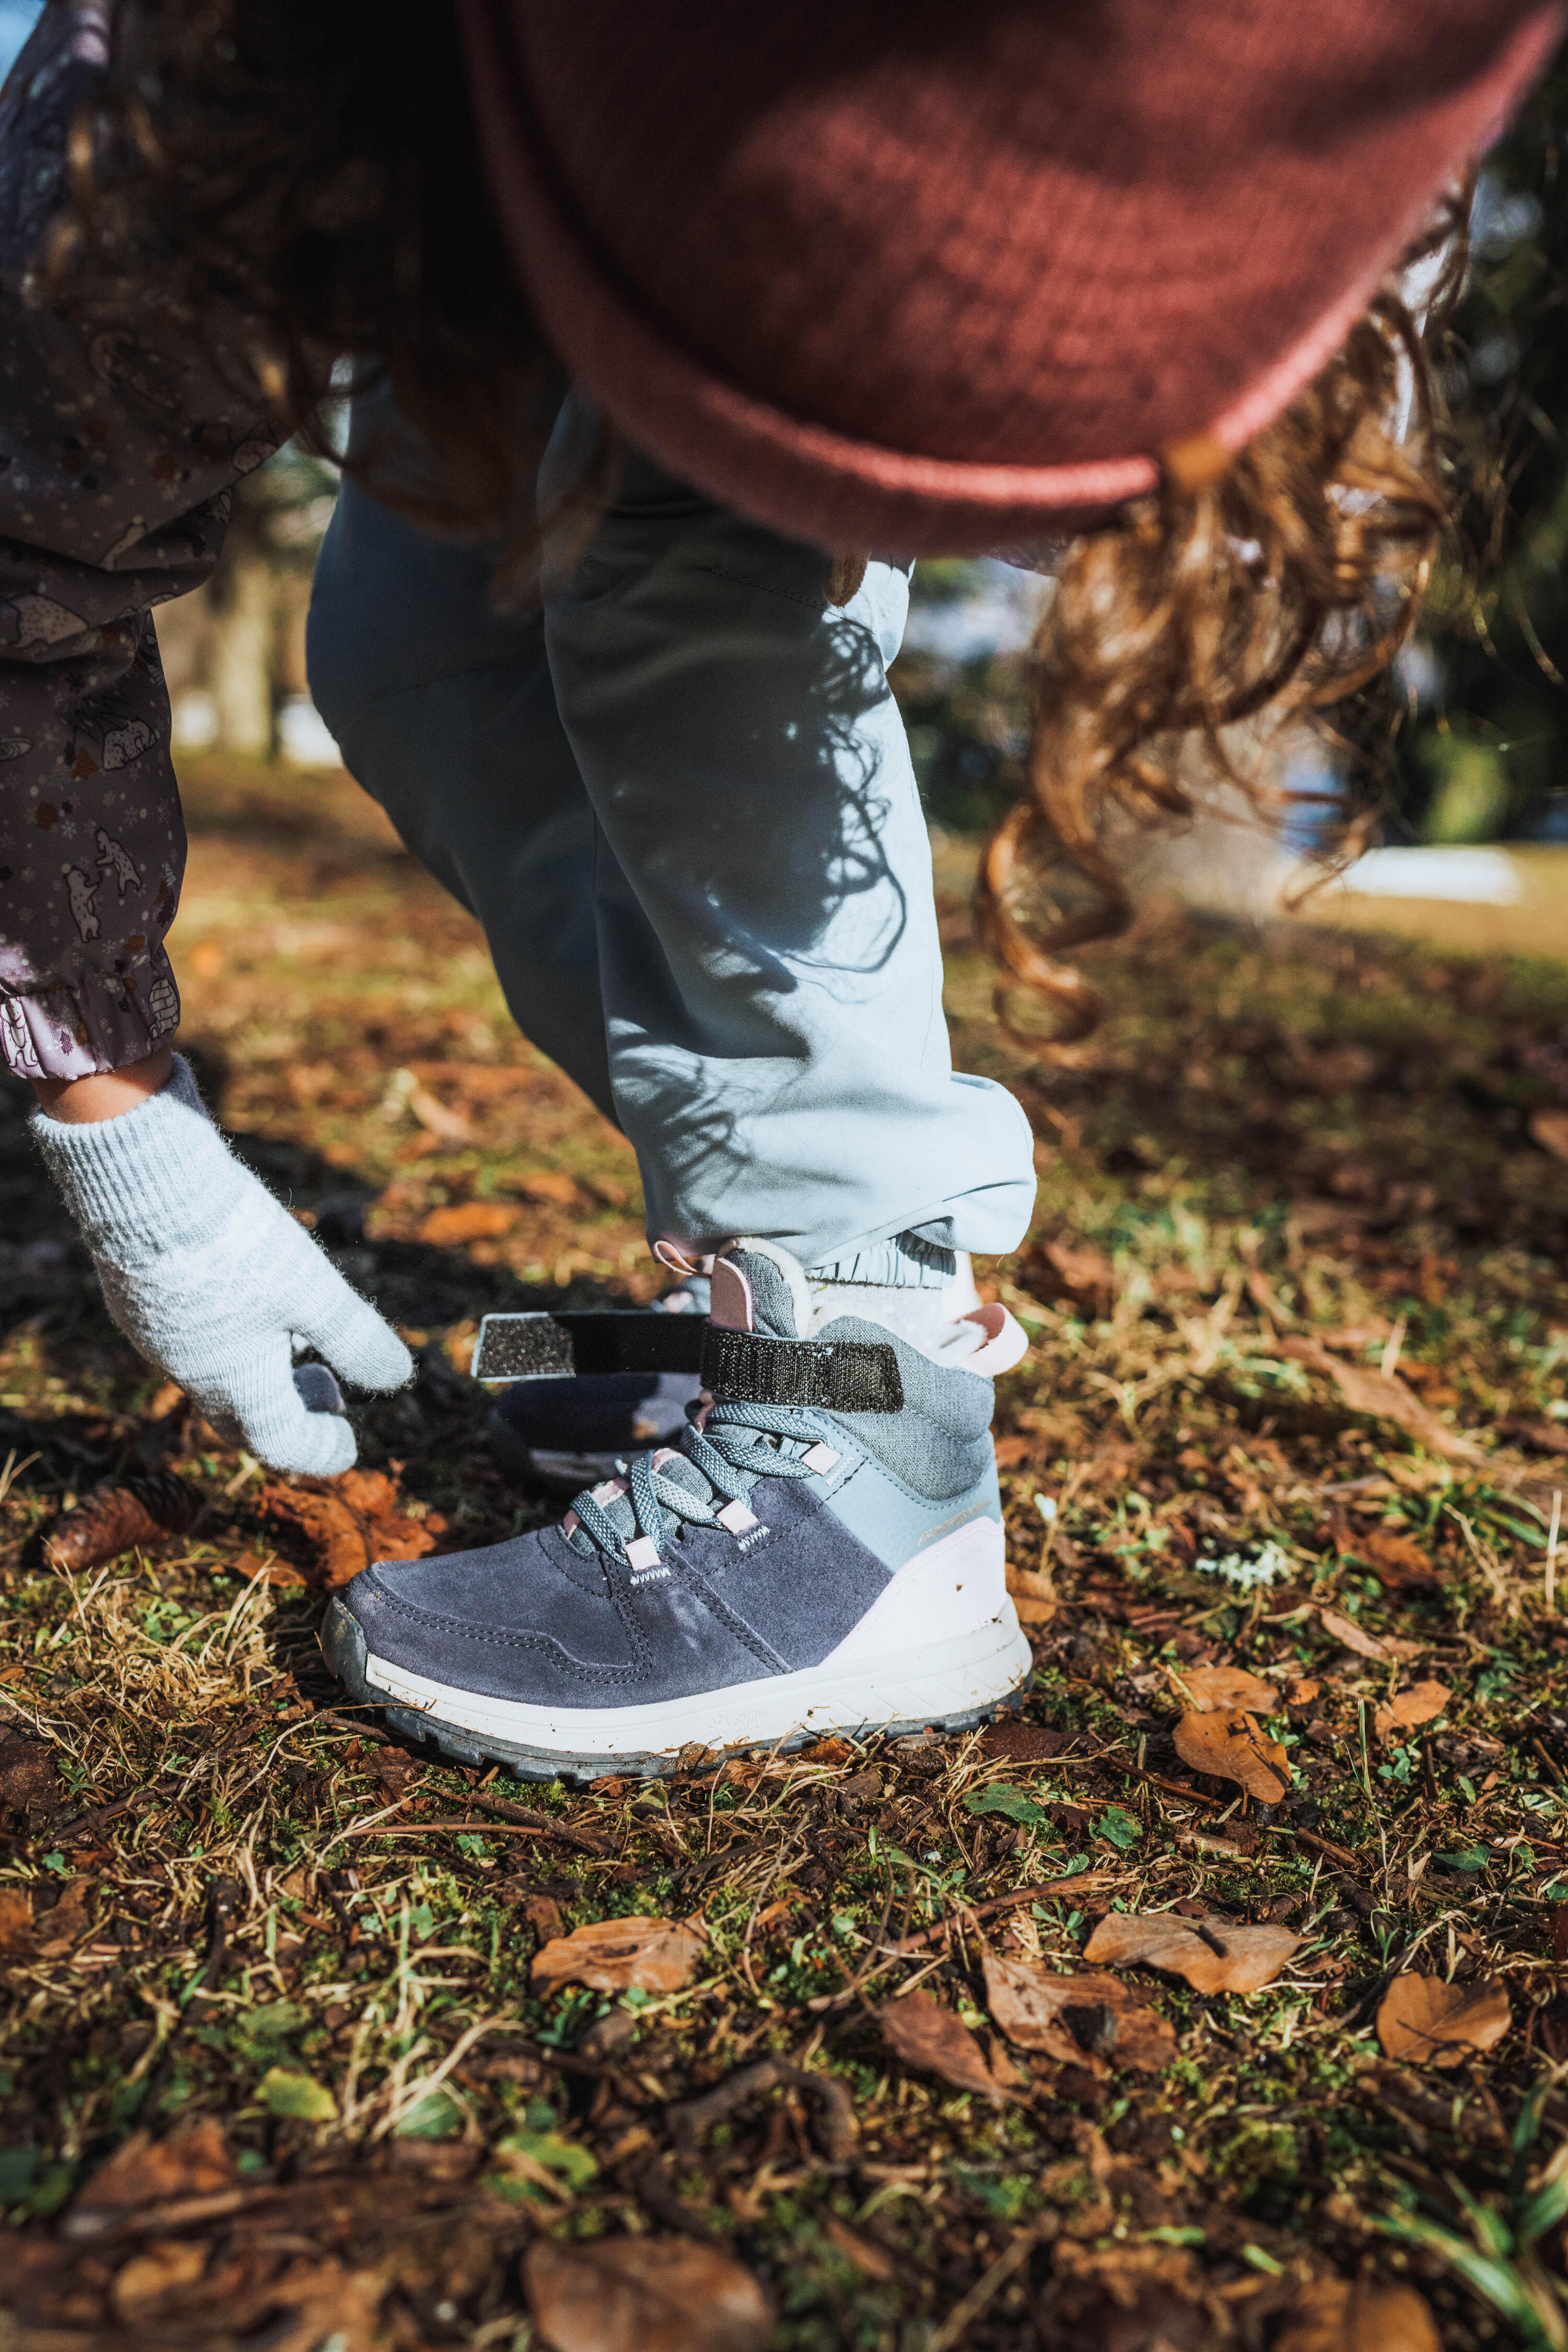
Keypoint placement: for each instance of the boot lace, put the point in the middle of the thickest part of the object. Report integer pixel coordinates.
(737, 1445)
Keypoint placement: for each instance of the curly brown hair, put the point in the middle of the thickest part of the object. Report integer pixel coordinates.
(311, 167)
(1252, 591)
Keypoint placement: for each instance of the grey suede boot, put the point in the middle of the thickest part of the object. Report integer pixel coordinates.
(823, 1552)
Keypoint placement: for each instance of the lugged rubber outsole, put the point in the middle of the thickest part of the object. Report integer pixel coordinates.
(958, 1705)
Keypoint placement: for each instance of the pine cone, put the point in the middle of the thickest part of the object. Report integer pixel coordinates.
(113, 1518)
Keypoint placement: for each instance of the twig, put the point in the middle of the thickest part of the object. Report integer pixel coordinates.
(478, 1829)
(527, 1819)
(1553, 1534)
(970, 2306)
(1319, 1845)
(1085, 1882)
(836, 2115)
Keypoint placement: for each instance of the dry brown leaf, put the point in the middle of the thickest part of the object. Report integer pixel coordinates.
(152, 2276)
(1084, 1278)
(27, 1773)
(1549, 1129)
(467, 1220)
(1213, 1954)
(1418, 1705)
(925, 2034)
(1397, 1560)
(16, 1923)
(1302, 1691)
(644, 2294)
(1383, 1646)
(1080, 2020)
(1233, 1747)
(114, 1518)
(1226, 1688)
(1437, 2024)
(1358, 2315)
(824, 1751)
(613, 1955)
(1386, 1396)
(551, 1184)
(543, 1914)
(338, 1525)
(143, 2171)
(1034, 1596)
(1021, 1743)
(65, 1923)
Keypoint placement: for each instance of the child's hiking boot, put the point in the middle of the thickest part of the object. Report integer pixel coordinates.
(822, 1552)
(567, 1434)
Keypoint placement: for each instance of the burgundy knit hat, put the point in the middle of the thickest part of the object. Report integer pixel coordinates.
(936, 275)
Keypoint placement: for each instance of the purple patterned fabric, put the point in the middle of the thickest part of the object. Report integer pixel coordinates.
(121, 439)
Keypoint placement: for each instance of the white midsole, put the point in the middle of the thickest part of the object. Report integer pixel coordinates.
(943, 1676)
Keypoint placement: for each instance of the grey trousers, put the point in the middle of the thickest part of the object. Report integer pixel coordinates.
(680, 803)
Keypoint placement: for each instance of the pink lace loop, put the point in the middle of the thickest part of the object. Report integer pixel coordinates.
(673, 1255)
(1006, 1342)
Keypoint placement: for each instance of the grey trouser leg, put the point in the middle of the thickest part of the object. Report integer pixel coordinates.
(445, 712)
(746, 972)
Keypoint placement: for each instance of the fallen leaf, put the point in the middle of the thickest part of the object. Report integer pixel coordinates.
(1386, 1396)
(1437, 2024)
(16, 1922)
(644, 2294)
(864, 2253)
(549, 1185)
(338, 1525)
(1383, 1646)
(1358, 2315)
(1013, 1449)
(1302, 1691)
(925, 2034)
(65, 1923)
(1034, 1596)
(116, 1518)
(469, 1221)
(27, 1773)
(1213, 1954)
(1087, 2018)
(1233, 1747)
(1549, 1129)
(1212, 1688)
(1083, 1279)
(160, 2270)
(824, 1751)
(1020, 1743)
(1396, 1559)
(144, 2171)
(543, 1914)
(613, 1955)
(1418, 1705)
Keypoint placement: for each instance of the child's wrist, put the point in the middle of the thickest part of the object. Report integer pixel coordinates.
(104, 1094)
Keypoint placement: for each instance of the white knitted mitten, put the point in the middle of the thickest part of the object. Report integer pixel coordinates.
(209, 1276)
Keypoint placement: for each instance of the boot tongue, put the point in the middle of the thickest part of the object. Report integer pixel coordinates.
(760, 1287)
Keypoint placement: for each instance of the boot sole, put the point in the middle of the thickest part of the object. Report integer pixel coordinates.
(951, 1686)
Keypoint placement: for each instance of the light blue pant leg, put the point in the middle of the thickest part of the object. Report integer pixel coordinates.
(445, 712)
(768, 947)
(759, 1003)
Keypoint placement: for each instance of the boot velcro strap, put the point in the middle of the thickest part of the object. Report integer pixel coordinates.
(834, 1375)
(588, 1343)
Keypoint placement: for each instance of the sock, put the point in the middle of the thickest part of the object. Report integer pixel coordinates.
(912, 1287)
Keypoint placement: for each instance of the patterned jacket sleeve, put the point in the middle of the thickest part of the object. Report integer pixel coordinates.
(121, 439)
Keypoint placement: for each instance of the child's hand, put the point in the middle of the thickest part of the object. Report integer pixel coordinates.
(211, 1278)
